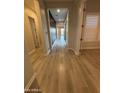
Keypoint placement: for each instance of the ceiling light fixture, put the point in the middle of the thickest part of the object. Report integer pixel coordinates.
(58, 10)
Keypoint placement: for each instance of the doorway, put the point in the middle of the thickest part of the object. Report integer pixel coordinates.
(58, 25)
(34, 32)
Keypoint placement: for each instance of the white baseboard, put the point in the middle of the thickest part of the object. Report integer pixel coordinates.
(53, 44)
(31, 52)
(75, 52)
(91, 48)
(48, 52)
(30, 81)
(90, 45)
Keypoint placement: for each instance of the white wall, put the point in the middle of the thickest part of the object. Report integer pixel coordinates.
(76, 15)
(45, 25)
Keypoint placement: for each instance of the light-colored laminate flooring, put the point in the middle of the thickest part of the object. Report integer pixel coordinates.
(64, 72)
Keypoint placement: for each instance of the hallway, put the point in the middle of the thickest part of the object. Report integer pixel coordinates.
(64, 72)
(62, 46)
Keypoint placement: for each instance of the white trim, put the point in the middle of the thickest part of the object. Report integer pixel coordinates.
(48, 52)
(31, 52)
(66, 43)
(53, 44)
(75, 52)
(90, 45)
(30, 81)
(90, 48)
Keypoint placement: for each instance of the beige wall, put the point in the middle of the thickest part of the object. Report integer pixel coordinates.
(38, 13)
(32, 9)
(91, 36)
(91, 29)
(28, 31)
(91, 33)
(28, 39)
(75, 26)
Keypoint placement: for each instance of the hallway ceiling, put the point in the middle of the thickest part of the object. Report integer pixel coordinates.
(59, 17)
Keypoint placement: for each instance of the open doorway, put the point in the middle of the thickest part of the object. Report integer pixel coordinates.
(58, 25)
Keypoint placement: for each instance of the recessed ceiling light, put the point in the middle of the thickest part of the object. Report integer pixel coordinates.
(58, 10)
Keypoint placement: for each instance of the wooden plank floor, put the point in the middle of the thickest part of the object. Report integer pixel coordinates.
(64, 72)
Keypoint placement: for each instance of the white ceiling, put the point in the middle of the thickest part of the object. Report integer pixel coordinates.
(59, 17)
